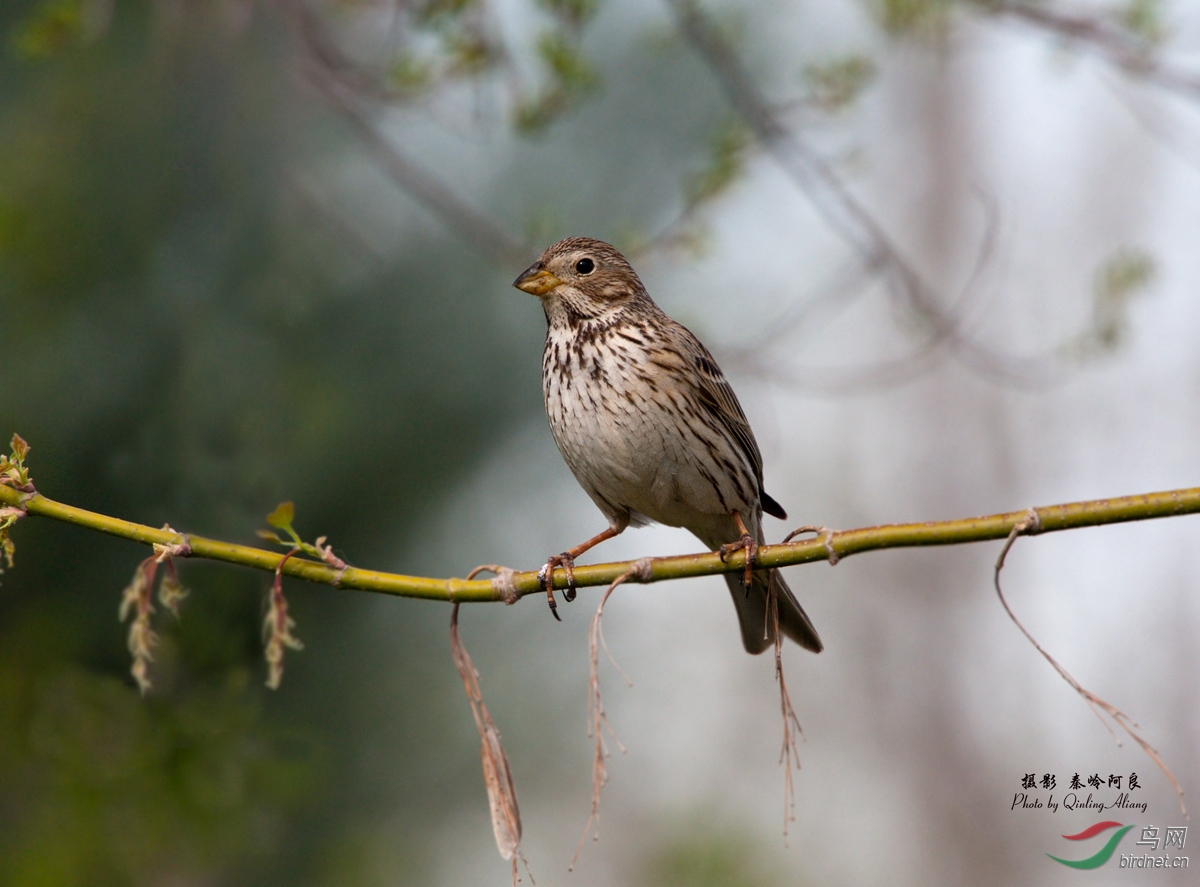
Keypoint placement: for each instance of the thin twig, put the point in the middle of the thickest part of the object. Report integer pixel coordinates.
(597, 717)
(1074, 515)
(502, 793)
(1132, 54)
(1160, 125)
(824, 534)
(1030, 525)
(789, 754)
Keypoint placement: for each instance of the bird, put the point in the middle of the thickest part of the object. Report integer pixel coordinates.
(650, 427)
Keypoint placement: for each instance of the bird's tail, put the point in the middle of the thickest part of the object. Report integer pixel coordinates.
(758, 629)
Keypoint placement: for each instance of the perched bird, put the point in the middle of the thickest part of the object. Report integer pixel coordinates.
(649, 426)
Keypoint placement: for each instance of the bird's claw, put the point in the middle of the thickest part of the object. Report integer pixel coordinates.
(747, 544)
(546, 579)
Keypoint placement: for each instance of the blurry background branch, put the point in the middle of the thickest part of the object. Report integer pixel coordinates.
(432, 193)
(841, 210)
(345, 85)
(942, 321)
(1129, 40)
(401, 71)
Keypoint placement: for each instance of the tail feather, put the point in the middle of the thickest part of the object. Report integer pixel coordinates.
(758, 630)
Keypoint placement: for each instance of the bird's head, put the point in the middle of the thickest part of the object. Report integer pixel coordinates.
(582, 278)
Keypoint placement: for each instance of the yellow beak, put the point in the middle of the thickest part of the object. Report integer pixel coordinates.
(536, 280)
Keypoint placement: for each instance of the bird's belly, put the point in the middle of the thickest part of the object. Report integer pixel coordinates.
(630, 454)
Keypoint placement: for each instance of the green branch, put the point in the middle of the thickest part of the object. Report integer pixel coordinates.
(839, 544)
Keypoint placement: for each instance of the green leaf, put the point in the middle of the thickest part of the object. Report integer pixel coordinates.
(281, 518)
(48, 30)
(20, 449)
(438, 11)
(1124, 276)
(575, 13)
(913, 16)
(410, 74)
(13, 472)
(470, 54)
(724, 166)
(1121, 278)
(567, 64)
(836, 84)
(1143, 18)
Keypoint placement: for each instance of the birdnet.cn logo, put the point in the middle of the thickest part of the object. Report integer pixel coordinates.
(1152, 839)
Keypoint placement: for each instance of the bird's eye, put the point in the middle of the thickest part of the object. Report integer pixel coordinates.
(585, 266)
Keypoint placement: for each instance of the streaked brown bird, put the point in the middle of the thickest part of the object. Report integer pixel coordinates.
(649, 426)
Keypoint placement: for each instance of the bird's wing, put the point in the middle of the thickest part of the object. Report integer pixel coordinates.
(717, 395)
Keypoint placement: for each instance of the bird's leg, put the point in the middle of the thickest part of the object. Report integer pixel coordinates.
(566, 560)
(746, 543)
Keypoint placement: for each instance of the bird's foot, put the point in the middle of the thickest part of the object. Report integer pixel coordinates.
(747, 544)
(546, 578)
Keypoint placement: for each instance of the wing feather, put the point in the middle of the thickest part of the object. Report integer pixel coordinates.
(717, 396)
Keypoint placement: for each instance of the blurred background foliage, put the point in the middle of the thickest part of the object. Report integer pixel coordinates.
(261, 251)
(189, 341)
